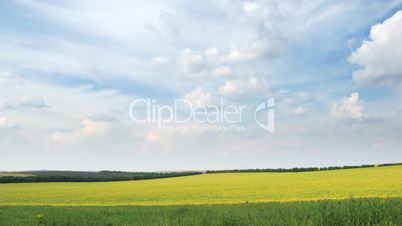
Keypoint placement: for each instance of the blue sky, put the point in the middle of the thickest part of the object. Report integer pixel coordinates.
(69, 71)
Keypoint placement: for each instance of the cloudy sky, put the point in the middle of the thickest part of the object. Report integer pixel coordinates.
(69, 71)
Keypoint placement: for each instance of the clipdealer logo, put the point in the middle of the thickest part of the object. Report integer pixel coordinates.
(222, 116)
(268, 107)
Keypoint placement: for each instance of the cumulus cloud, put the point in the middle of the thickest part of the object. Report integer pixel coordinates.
(191, 61)
(242, 53)
(350, 108)
(89, 129)
(380, 56)
(199, 97)
(225, 45)
(250, 7)
(222, 71)
(214, 62)
(244, 86)
(237, 53)
(250, 50)
(212, 53)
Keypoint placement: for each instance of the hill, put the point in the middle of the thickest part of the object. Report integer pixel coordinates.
(383, 182)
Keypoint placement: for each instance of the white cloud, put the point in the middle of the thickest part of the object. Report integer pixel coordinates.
(250, 7)
(6, 78)
(247, 51)
(160, 60)
(262, 10)
(350, 108)
(222, 71)
(199, 98)
(244, 86)
(299, 111)
(214, 62)
(212, 53)
(191, 61)
(228, 43)
(30, 102)
(380, 56)
(23, 102)
(5, 123)
(89, 129)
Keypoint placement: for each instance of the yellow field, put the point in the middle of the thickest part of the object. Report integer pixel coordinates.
(213, 188)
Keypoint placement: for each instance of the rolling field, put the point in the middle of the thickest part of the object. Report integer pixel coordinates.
(227, 188)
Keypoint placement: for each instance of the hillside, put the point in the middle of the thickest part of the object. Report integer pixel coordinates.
(223, 188)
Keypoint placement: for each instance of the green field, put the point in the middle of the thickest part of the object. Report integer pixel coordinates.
(362, 196)
(326, 213)
(225, 188)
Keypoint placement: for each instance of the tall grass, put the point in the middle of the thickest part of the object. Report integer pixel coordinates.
(346, 212)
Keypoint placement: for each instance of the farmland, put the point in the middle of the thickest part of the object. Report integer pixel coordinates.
(83, 176)
(224, 188)
(360, 196)
(326, 213)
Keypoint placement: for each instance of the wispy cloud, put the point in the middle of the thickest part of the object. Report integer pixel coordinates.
(69, 70)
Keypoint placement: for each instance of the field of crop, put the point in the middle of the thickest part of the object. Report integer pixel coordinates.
(226, 188)
(325, 213)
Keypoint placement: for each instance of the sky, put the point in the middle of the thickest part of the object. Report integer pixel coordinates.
(69, 71)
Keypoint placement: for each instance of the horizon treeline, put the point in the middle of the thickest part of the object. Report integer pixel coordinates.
(120, 176)
(108, 175)
(300, 169)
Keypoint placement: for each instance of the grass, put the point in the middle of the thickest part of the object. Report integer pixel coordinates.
(335, 212)
(227, 188)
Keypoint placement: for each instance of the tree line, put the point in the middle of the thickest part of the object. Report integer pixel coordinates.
(105, 175)
(302, 169)
(118, 177)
